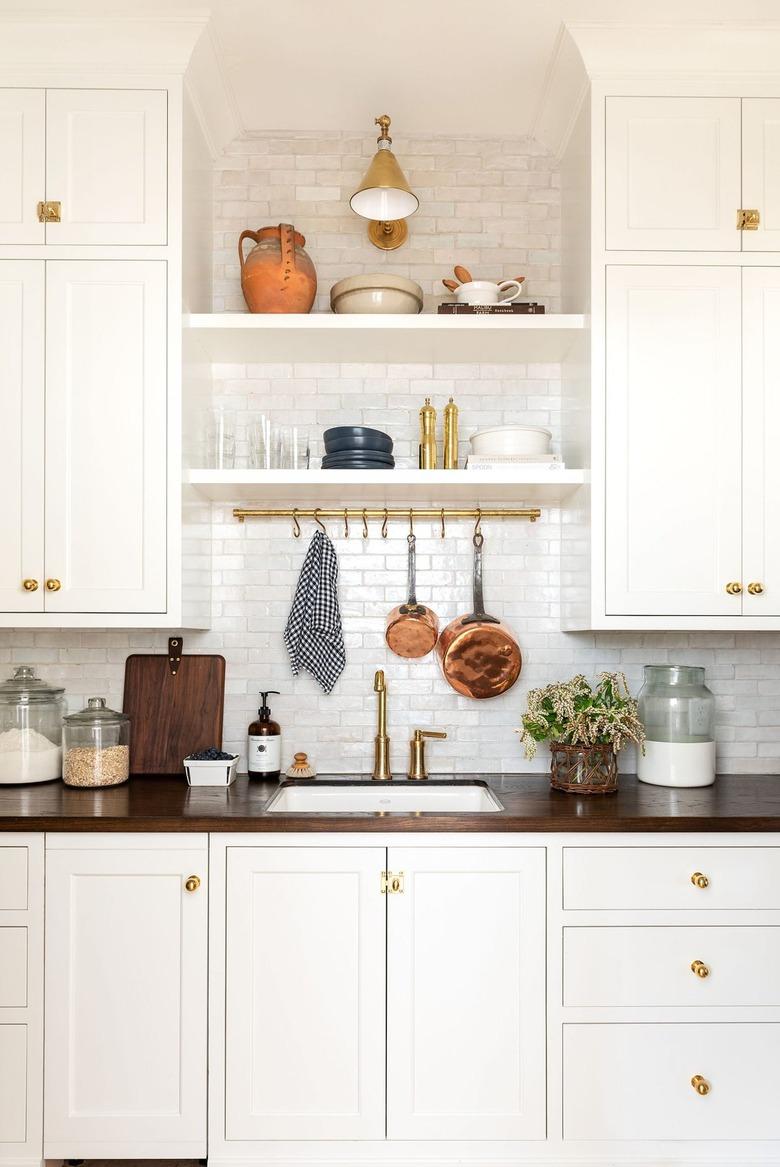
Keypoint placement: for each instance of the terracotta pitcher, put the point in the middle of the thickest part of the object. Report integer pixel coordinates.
(277, 275)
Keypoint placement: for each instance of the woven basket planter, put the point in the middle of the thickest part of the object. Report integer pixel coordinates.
(583, 769)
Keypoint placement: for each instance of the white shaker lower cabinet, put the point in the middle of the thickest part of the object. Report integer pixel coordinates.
(674, 455)
(126, 968)
(305, 993)
(465, 994)
(106, 438)
(21, 1000)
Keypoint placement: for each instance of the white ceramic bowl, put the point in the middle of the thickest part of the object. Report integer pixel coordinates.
(377, 293)
(511, 439)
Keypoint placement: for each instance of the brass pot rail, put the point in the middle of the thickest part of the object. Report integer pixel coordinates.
(386, 513)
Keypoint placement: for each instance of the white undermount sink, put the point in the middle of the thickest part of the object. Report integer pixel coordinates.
(385, 798)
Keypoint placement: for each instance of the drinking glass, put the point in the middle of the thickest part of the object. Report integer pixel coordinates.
(275, 446)
(221, 438)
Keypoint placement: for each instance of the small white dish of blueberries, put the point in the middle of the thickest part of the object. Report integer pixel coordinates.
(211, 767)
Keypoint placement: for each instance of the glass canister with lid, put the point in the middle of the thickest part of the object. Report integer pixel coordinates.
(31, 713)
(96, 746)
(678, 713)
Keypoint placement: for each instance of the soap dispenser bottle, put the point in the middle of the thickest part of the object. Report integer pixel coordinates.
(264, 743)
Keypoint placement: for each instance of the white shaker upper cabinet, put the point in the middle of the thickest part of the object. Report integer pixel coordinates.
(21, 435)
(305, 993)
(673, 173)
(761, 171)
(761, 440)
(673, 462)
(466, 994)
(106, 436)
(22, 174)
(106, 164)
(126, 957)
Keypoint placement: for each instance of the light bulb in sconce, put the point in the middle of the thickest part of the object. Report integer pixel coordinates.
(384, 196)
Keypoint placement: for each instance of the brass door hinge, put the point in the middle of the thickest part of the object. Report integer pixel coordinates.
(748, 220)
(392, 883)
(49, 212)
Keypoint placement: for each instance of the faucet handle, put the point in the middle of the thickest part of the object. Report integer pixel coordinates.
(417, 768)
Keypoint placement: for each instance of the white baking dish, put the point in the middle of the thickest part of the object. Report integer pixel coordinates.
(511, 439)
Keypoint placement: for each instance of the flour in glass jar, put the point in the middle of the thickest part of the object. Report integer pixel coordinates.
(28, 756)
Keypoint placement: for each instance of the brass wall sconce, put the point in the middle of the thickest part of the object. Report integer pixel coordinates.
(384, 196)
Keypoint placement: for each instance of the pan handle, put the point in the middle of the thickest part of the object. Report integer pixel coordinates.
(479, 615)
(411, 539)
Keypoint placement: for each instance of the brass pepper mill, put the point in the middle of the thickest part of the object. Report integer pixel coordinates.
(451, 436)
(427, 436)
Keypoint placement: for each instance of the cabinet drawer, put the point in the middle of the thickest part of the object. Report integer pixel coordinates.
(625, 878)
(13, 879)
(13, 968)
(630, 967)
(13, 1083)
(633, 1082)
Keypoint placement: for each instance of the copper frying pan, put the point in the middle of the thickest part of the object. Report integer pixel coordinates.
(478, 654)
(411, 629)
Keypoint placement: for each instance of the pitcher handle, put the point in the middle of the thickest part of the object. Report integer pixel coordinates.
(287, 243)
(245, 235)
(509, 284)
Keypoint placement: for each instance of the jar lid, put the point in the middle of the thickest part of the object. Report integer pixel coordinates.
(25, 686)
(95, 712)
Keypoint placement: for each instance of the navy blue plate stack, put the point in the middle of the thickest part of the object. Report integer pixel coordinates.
(356, 447)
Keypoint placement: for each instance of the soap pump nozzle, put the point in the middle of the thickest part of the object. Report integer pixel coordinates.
(265, 709)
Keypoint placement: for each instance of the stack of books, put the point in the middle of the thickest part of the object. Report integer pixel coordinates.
(547, 462)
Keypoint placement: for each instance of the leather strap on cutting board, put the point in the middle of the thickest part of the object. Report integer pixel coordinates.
(175, 704)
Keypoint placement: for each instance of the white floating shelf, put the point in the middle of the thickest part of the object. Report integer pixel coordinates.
(240, 338)
(359, 487)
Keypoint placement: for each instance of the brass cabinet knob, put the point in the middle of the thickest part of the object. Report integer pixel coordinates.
(53, 585)
(700, 968)
(734, 588)
(192, 882)
(699, 880)
(756, 589)
(700, 1085)
(30, 585)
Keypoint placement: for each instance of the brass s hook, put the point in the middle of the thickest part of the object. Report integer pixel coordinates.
(365, 524)
(478, 524)
(346, 523)
(384, 525)
(411, 523)
(443, 528)
(319, 522)
(296, 524)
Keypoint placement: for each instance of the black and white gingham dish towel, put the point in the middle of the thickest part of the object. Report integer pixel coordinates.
(313, 634)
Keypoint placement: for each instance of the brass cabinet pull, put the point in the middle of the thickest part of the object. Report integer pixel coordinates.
(49, 212)
(734, 588)
(756, 589)
(392, 883)
(53, 585)
(700, 968)
(30, 585)
(700, 1085)
(748, 219)
(699, 880)
(192, 882)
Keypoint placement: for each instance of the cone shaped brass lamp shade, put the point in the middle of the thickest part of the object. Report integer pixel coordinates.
(384, 196)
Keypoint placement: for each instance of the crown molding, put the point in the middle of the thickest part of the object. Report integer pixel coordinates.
(104, 44)
(211, 95)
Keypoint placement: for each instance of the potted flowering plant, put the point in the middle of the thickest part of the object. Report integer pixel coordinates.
(586, 728)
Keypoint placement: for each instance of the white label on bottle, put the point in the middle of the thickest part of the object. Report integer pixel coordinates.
(264, 754)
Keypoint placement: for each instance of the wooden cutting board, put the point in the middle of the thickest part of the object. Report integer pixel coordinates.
(175, 704)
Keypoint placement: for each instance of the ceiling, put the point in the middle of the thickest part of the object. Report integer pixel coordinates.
(447, 66)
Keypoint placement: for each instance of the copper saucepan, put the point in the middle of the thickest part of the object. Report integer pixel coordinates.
(478, 654)
(411, 629)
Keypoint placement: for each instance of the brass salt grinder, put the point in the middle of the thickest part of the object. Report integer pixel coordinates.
(427, 459)
(451, 436)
